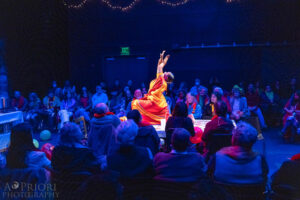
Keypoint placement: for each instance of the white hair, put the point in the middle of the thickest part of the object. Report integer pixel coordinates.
(126, 132)
(70, 134)
(244, 135)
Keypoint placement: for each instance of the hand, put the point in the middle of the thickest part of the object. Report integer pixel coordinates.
(162, 61)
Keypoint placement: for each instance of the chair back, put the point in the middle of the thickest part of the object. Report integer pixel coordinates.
(82, 124)
(286, 192)
(162, 190)
(245, 191)
(67, 184)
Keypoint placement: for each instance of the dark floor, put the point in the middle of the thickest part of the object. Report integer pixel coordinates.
(275, 149)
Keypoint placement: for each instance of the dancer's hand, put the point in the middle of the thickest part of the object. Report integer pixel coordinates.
(162, 61)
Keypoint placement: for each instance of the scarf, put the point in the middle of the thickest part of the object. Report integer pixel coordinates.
(96, 115)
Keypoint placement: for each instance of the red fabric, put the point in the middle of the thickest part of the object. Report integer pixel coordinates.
(287, 106)
(296, 157)
(47, 149)
(225, 99)
(252, 99)
(96, 115)
(198, 135)
(19, 103)
(144, 123)
(84, 101)
(194, 105)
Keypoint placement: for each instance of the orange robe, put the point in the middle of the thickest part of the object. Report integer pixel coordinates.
(153, 106)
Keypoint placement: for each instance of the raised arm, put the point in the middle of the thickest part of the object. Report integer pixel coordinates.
(162, 61)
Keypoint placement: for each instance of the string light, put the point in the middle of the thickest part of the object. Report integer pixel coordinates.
(75, 6)
(163, 2)
(122, 8)
(132, 4)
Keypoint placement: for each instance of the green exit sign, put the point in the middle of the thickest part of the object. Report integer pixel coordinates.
(125, 51)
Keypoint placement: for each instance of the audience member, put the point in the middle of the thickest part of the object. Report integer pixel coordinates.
(70, 156)
(26, 166)
(102, 131)
(117, 88)
(84, 99)
(291, 119)
(194, 109)
(194, 90)
(33, 110)
(239, 164)
(270, 105)
(286, 181)
(202, 97)
(179, 165)
(253, 100)
(22, 153)
(180, 96)
(179, 119)
(19, 102)
(130, 160)
(209, 109)
(238, 104)
(293, 87)
(218, 125)
(147, 135)
(224, 97)
(99, 96)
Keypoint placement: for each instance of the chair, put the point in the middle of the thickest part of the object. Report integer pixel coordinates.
(68, 183)
(245, 191)
(82, 124)
(286, 192)
(162, 190)
(136, 188)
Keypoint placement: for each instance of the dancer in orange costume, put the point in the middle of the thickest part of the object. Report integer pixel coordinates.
(153, 106)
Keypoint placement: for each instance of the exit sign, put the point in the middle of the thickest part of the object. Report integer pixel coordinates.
(125, 51)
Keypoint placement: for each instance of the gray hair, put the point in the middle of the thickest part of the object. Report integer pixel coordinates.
(244, 135)
(70, 134)
(219, 90)
(126, 132)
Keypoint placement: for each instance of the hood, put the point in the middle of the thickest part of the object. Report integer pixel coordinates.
(238, 153)
(108, 119)
(146, 131)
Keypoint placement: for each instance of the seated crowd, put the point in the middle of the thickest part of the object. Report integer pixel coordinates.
(132, 165)
(64, 104)
(128, 160)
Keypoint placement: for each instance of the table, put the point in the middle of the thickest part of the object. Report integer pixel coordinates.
(5, 120)
(201, 123)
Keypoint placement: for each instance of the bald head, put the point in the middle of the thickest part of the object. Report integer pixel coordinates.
(101, 108)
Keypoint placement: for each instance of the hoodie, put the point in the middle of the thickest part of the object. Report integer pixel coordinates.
(147, 137)
(236, 165)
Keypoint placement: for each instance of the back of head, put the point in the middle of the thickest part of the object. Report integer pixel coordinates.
(180, 110)
(221, 108)
(219, 90)
(21, 142)
(244, 135)
(135, 116)
(126, 132)
(180, 139)
(70, 134)
(101, 108)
